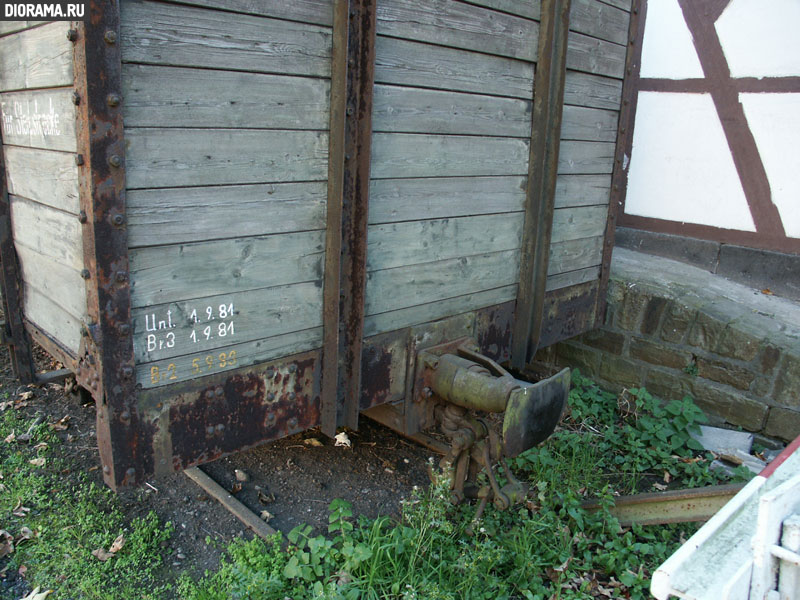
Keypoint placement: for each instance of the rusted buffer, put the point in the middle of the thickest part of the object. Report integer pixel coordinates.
(234, 221)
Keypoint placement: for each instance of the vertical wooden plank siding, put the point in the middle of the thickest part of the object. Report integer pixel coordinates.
(545, 136)
(106, 366)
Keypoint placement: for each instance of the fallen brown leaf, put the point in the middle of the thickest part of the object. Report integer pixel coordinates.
(117, 544)
(6, 543)
(660, 486)
(40, 446)
(266, 515)
(11, 437)
(767, 292)
(38, 462)
(241, 475)
(61, 425)
(19, 510)
(36, 594)
(312, 441)
(102, 554)
(237, 487)
(667, 477)
(25, 533)
(265, 498)
(25, 396)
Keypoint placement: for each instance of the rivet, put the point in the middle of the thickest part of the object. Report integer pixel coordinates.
(110, 37)
(76, 98)
(79, 159)
(270, 396)
(347, 157)
(292, 368)
(219, 391)
(118, 219)
(124, 329)
(131, 472)
(82, 216)
(107, 470)
(115, 160)
(292, 395)
(113, 100)
(85, 273)
(127, 372)
(125, 415)
(350, 111)
(122, 276)
(72, 35)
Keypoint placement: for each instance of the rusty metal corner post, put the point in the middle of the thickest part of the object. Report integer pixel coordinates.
(106, 364)
(352, 78)
(548, 100)
(20, 345)
(622, 150)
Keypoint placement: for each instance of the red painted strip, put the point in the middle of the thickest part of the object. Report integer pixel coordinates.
(781, 458)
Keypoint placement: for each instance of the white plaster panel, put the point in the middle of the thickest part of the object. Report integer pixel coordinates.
(775, 122)
(760, 39)
(681, 168)
(668, 51)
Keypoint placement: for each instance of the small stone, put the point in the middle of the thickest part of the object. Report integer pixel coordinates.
(181, 556)
(241, 475)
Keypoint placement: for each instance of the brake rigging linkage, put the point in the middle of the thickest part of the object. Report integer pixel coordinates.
(468, 381)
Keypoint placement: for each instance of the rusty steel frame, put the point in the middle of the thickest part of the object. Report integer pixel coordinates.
(548, 101)
(624, 145)
(106, 360)
(20, 345)
(352, 82)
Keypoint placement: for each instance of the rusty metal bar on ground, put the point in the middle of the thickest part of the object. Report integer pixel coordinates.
(676, 506)
(548, 101)
(239, 510)
(348, 190)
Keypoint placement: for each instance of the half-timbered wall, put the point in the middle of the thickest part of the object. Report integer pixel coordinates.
(39, 148)
(226, 117)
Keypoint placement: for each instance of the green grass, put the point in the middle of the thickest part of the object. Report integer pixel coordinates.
(70, 517)
(549, 548)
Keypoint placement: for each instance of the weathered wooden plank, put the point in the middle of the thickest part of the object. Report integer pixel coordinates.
(52, 318)
(459, 25)
(157, 96)
(50, 232)
(575, 254)
(392, 200)
(392, 289)
(582, 190)
(39, 119)
(562, 280)
(579, 222)
(411, 155)
(594, 91)
(36, 58)
(166, 34)
(524, 8)
(45, 176)
(585, 158)
(60, 283)
(589, 124)
(257, 314)
(415, 242)
(317, 12)
(591, 55)
(623, 4)
(195, 214)
(164, 274)
(7, 27)
(185, 157)
(599, 20)
(403, 62)
(415, 315)
(238, 355)
(415, 110)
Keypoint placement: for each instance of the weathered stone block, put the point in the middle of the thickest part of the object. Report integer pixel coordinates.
(668, 384)
(725, 372)
(734, 407)
(652, 314)
(762, 388)
(630, 312)
(787, 383)
(783, 423)
(659, 354)
(769, 358)
(575, 355)
(706, 332)
(738, 344)
(620, 371)
(676, 323)
(605, 340)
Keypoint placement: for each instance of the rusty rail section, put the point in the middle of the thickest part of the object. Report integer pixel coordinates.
(106, 361)
(348, 202)
(548, 99)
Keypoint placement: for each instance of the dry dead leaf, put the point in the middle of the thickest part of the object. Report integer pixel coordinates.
(237, 487)
(40, 446)
(11, 437)
(265, 498)
(38, 462)
(117, 544)
(25, 533)
(37, 594)
(312, 442)
(767, 292)
(266, 515)
(102, 554)
(660, 486)
(241, 475)
(667, 477)
(61, 425)
(6, 543)
(19, 510)
(25, 396)
(342, 440)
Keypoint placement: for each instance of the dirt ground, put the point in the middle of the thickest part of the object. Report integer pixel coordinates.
(295, 479)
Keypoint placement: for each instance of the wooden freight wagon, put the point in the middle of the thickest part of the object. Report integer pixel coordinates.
(237, 220)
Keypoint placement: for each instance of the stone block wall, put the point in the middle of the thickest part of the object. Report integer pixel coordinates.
(739, 364)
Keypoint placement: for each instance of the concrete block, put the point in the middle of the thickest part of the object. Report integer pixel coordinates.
(620, 371)
(605, 340)
(653, 312)
(725, 372)
(738, 344)
(783, 423)
(732, 406)
(659, 354)
(575, 355)
(770, 356)
(705, 332)
(721, 440)
(787, 383)
(677, 322)
(630, 312)
(668, 384)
